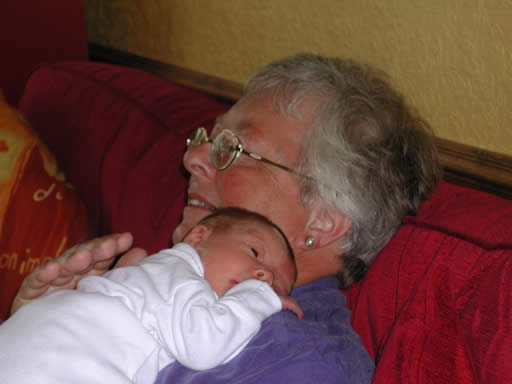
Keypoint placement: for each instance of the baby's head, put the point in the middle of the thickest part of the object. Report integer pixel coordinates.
(237, 245)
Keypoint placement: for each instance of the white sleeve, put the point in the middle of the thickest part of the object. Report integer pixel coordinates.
(168, 293)
(203, 331)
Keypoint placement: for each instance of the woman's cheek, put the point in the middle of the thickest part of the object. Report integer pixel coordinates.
(238, 189)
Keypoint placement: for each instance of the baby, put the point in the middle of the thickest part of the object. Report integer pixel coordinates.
(198, 303)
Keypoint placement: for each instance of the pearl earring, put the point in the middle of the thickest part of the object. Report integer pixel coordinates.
(310, 241)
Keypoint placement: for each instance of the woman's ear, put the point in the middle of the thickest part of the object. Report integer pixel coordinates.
(325, 225)
(197, 234)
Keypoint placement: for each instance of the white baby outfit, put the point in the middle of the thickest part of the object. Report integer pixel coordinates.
(124, 326)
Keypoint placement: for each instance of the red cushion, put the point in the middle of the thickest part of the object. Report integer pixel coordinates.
(36, 32)
(119, 134)
(435, 305)
(40, 213)
(478, 217)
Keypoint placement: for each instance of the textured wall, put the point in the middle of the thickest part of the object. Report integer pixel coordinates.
(452, 58)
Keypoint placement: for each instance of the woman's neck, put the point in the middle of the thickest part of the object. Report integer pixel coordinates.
(316, 264)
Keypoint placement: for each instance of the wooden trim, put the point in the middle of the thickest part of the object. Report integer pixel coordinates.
(224, 89)
(476, 168)
(463, 164)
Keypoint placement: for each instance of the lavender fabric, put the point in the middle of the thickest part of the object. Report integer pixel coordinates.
(323, 348)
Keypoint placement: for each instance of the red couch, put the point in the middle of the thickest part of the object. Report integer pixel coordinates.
(36, 32)
(434, 306)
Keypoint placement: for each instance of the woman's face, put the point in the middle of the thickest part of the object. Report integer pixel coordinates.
(249, 183)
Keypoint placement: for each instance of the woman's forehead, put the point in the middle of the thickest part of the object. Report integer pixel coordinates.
(258, 117)
(245, 114)
(240, 127)
(264, 130)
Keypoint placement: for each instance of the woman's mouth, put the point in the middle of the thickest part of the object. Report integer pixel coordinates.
(193, 202)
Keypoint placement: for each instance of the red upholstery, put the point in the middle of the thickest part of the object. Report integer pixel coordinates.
(435, 305)
(119, 134)
(36, 32)
(432, 302)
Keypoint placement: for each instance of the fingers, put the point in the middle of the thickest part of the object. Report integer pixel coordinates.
(35, 284)
(107, 247)
(56, 273)
(95, 255)
(104, 248)
(90, 258)
(42, 275)
(131, 257)
(290, 304)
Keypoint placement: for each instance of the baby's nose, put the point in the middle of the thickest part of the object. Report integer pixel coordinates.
(264, 275)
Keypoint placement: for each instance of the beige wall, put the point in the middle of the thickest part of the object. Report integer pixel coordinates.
(452, 58)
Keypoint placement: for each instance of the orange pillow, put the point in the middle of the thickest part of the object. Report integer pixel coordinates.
(40, 214)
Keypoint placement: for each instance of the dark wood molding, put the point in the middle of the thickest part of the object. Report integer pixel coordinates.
(221, 88)
(463, 164)
(476, 168)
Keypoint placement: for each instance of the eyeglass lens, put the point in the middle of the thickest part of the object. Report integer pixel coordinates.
(223, 152)
(199, 136)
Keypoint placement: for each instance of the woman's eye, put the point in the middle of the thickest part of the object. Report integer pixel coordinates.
(254, 252)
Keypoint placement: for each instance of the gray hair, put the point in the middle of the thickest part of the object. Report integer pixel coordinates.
(372, 157)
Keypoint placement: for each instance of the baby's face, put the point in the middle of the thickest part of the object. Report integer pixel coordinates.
(248, 251)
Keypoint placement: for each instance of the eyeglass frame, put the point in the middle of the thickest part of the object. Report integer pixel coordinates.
(200, 136)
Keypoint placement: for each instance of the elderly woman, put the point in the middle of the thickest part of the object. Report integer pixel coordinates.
(333, 155)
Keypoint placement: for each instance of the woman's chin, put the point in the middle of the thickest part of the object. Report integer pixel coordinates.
(191, 216)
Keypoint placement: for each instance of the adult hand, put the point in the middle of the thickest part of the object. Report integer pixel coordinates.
(90, 258)
(290, 304)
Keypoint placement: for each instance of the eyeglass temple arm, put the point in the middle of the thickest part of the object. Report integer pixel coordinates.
(283, 167)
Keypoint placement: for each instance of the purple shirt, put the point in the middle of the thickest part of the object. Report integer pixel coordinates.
(323, 348)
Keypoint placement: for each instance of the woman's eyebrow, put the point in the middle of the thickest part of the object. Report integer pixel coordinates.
(241, 127)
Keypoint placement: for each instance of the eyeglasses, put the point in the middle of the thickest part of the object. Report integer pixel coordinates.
(226, 149)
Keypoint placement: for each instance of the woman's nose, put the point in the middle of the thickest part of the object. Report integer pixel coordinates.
(264, 275)
(197, 161)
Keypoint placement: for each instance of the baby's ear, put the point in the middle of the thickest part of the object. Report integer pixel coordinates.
(197, 234)
(326, 225)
